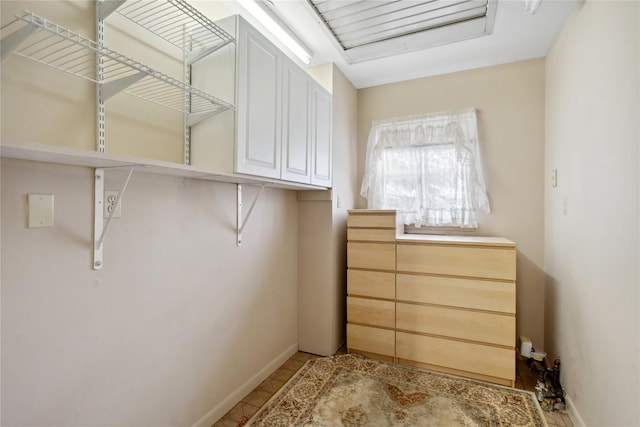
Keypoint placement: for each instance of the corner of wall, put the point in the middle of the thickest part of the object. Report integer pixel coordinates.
(323, 74)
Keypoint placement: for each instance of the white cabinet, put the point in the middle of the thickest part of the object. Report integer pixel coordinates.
(296, 121)
(321, 136)
(306, 129)
(281, 127)
(259, 104)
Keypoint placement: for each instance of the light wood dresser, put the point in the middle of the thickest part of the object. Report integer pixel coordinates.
(448, 303)
(371, 283)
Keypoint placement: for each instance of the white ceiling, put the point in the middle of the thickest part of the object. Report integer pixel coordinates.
(517, 35)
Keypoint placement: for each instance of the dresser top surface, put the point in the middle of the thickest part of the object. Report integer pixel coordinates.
(370, 212)
(455, 240)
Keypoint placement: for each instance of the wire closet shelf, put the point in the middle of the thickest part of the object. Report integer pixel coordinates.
(58, 47)
(175, 21)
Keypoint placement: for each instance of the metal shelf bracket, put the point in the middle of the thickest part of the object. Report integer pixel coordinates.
(116, 86)
(240, 223)
(11, 42)
(195, 56)
(107, 7)
(100, 228)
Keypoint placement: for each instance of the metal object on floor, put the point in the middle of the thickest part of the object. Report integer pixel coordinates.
(548, 389)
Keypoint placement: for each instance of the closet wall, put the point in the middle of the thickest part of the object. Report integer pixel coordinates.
(180, 323)
(510, 104)
(322, 233)
(592, 252)
(174, 326)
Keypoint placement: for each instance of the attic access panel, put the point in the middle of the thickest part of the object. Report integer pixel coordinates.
(371, 29)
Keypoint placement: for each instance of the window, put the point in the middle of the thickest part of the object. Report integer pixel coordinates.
(427, 168)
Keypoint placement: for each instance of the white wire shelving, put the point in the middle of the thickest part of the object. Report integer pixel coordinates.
(46, 42)
(43, 41)
(175, 21)
(179, 24)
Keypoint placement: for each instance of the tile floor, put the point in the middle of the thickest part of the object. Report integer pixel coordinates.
(240, 414)
(526, 380)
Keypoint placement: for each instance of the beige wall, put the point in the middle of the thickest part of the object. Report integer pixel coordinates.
(345, 145)
(591, 218)
(510, 103)
(322, 234)
(178, 324)
(61, 107)
(181, 323)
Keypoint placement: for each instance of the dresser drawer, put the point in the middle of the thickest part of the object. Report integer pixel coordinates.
(372, 219)
(371, 340)
(458, 260)
(498, 329)
(463, 356)
(375, 256)
(457, 292)
(372, 234)
(371, 312)
(377, 284)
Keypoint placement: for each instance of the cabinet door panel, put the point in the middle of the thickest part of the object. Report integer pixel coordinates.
(321, 136)
(371, 312)
(377, 284)
(374, 256)
(369, 220)
(470, 261)
(463, 356)
(371, 340)
(499, 329)
(458, 292)
(296, 141)
(259, 96)
(371, 234)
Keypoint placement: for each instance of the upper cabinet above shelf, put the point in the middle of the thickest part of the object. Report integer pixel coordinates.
(175, 21)
(247, 110)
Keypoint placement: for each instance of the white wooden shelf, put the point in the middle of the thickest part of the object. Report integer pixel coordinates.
(101, 162)
(75, 157)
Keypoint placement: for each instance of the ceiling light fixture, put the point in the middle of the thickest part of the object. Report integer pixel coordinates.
(532, 6)
(261, 11)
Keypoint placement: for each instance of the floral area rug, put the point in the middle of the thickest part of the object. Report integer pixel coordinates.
(351, 390)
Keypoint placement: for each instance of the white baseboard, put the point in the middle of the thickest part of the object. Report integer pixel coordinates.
(576, 419)
(223, 407)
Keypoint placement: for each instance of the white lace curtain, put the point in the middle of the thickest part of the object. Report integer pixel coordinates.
(427, 168)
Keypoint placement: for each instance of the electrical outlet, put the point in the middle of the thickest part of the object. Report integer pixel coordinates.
(110, 198)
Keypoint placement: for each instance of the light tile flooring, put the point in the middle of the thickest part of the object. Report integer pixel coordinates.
(240, 414)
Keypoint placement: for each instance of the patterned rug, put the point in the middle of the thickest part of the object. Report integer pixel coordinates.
(351, 390)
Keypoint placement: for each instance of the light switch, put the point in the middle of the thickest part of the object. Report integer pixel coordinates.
(40, 210)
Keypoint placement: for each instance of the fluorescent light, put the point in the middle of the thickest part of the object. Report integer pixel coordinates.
(532, 6)
(277, 28)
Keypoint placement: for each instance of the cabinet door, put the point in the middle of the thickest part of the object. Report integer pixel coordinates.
(371, 256)
(374, 341)
(258, 144)
(321, 136)
(482, 262)
(296, 135)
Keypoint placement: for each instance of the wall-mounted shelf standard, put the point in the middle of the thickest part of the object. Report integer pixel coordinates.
(179, 24)
(43, 41)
